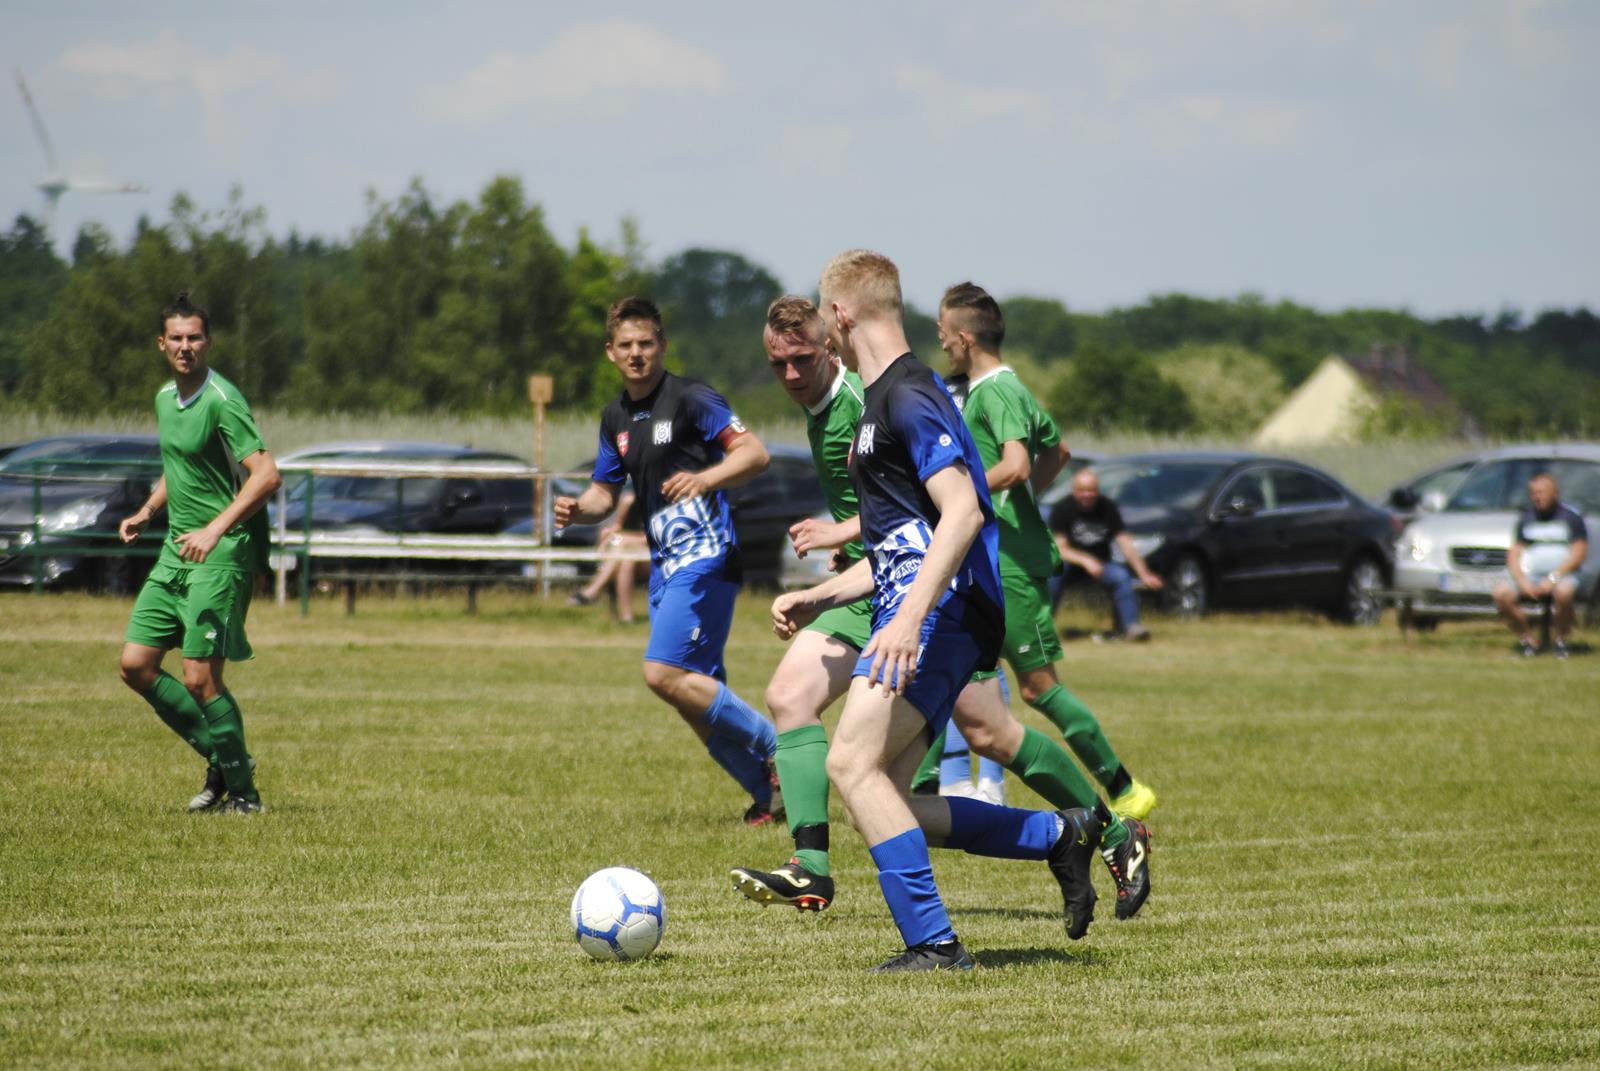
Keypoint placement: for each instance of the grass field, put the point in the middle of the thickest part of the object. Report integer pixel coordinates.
(1368, 853)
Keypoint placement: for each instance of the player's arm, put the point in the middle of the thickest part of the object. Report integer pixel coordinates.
(746, 458)
(794, 610)
(896, 646)
(815, 534)
(132, 527)
(261, 483)
(1013, 467)
(594, 505)
(1048, 465)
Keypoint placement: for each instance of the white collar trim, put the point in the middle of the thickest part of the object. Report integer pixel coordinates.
(833, 392)
(184, 403)
(989, 375)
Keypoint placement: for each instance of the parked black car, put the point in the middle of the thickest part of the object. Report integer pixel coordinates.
(86, 485)
(763, 509)
(1244, 530)
(466, 505)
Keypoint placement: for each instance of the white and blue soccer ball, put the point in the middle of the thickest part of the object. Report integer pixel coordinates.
(618, 914)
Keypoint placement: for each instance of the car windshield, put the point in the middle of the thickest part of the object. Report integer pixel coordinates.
(71, 458)
(1503, 485)
(1167, 484)
(369, 488)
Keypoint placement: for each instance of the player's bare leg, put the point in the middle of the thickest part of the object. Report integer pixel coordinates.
(815, 671)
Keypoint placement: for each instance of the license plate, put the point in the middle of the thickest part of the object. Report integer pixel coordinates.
(1469, 584)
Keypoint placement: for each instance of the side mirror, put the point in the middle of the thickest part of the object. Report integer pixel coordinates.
(461, 497)
(1403, 498)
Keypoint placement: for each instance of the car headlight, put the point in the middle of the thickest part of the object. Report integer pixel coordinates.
(1413, 546)
(67, 518)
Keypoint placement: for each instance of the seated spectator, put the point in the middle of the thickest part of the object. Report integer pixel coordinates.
(1086, 525)
(619, 575)
(1548, 547)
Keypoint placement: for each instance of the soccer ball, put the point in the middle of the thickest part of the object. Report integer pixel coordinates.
(618, 914)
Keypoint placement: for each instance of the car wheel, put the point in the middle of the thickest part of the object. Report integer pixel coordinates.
(1188, 588)
(1359, 603)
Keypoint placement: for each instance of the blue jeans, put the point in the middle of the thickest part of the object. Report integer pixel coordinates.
(1118, 579)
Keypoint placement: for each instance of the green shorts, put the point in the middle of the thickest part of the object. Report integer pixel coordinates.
(1031, 641)
(200, 610)
(850, 624)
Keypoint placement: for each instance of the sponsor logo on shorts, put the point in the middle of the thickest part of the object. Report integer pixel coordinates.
(945, 440)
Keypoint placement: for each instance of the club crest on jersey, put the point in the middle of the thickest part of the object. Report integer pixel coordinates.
(864, 438)
(663, 433)
(622, 443)
(735, 424)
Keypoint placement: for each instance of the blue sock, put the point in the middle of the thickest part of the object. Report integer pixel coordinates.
(741, 741)
(979, 828)
(957, 762)
(905, 873)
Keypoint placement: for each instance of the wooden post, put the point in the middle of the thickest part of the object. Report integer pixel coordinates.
(541, 390)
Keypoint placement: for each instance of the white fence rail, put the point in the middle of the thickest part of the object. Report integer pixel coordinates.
(298, 546)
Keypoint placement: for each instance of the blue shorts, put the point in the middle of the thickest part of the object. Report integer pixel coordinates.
(691, 613)
(950, 653)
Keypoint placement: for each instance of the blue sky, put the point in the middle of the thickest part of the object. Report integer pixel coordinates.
(1438, 156)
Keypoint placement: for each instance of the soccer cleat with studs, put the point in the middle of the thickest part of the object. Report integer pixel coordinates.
(790, 884)
(1129, 863)
(240, 805)
(949, 956)
(759, 814)
(209, 798)
(1136, 802)
(1069, 860)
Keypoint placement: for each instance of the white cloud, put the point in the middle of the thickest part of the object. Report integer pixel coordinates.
(233, 89)
(947, 102)
(611, 56)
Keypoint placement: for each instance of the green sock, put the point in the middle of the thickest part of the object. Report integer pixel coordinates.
(802, 758)
(928, 772)
(227, 736)
(174, 705)
(1045, 768)
(1084, 735)
(1115, 834)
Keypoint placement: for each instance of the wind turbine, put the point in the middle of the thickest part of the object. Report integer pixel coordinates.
(57, 183)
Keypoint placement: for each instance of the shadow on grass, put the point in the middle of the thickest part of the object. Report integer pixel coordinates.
(997, 958)
(1017, 914)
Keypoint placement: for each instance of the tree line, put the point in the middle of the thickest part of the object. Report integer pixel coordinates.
(432, 305)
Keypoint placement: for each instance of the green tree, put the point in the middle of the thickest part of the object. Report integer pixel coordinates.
(1119, 389)
(1231, 390)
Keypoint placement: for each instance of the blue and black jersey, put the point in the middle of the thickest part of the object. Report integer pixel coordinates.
(679, 427)
(910, 430)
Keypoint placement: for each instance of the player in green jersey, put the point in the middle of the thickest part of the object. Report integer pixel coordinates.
(1011, 430)
(216, 474)
(817, 668)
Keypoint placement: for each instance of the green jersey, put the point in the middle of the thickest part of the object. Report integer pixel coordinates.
(203, 440)
(998, 409)
(831, 427)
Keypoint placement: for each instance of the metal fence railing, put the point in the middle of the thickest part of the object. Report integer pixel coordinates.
(61, 528)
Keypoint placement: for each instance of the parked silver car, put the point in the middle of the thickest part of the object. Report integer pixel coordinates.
(1448, 562)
